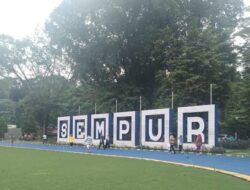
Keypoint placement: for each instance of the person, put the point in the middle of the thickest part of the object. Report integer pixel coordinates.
(231, 138)
(198, 142)
(107, 144)
(225, 140)
(101, 142)
(71, 140)
(12, 139)
(88, 143)
(180, 143)
(44, 138)
(235, 135)
(171, 142)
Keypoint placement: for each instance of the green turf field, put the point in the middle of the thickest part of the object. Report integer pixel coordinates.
(238, 152)
(41, 170)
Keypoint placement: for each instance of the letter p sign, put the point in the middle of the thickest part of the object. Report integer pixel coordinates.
(126, 129)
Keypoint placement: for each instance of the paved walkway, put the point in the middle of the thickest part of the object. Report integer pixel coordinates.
(220, 162)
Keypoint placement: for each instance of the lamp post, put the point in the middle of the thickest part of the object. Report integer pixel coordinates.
(172, 92)
(116, 105)
(211, 93)
(172, 101)
(140, 124)
(79, 110)
(140, 103)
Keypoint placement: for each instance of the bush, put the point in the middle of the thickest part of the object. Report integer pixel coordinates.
(150, 148)
(3, 127)
(238, 144)
(217, 150)
(214, 150)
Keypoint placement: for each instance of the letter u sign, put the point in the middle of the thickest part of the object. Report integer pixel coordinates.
(156, 127)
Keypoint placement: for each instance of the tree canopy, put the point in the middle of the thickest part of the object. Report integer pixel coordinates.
(100, 51)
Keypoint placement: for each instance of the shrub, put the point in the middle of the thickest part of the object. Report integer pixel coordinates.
(217, 150)
(238, 144)
(214, 150)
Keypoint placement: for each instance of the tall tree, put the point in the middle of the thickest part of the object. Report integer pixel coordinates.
(128, 44)
(113, 41)
(238, 106)
(3, 127)
(38, 75)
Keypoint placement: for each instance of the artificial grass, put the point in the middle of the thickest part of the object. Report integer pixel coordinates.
(22, 169)
(239, 152)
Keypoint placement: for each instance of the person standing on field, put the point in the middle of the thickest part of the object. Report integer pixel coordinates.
(88, 143)
(101, 142)
(107, 143)
(171, 142)
(12, 139)
(198, 142)
(180, 143)
(44, 138)
(71, 140)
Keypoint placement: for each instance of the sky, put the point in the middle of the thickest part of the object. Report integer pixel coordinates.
(20, 18)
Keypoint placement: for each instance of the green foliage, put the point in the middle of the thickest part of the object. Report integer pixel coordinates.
(121, 50)
(5, 86)
(3, 127)
(7, 110)
(214, 150)
(237, 144)
(41, 106)
(238, 106)
(217, 150)
(237, 110)
(187, 38)
(202, 61)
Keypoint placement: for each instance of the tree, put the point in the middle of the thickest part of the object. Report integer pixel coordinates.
(238, 107)
(7, 106)
(13, 58)
(3, 127)
(154, 36)
(43, 104)
(203, 60)
(95, 52)
(36, 79)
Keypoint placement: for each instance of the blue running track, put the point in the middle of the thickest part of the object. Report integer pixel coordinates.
(232, 164)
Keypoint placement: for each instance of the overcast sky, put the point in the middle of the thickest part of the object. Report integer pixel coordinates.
(20, 18)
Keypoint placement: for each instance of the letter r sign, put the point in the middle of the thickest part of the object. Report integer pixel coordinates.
(196, 120)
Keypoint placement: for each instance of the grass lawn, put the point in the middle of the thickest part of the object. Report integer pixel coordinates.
(22, 169)
(243, 152)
